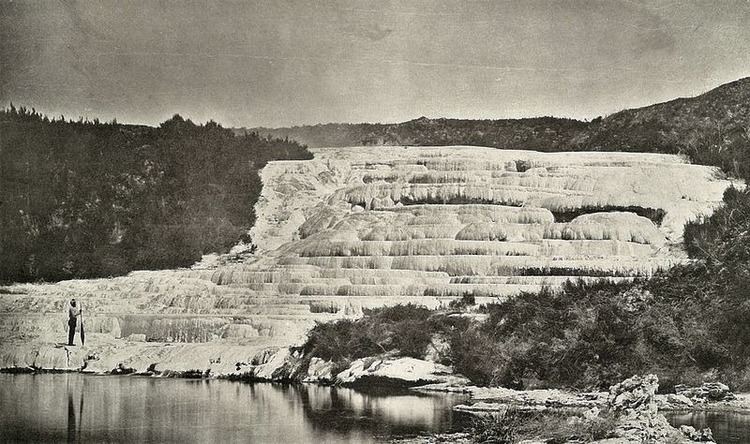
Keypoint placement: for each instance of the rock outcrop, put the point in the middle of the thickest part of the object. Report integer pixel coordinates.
(703, 435)
(398, 371)
(708, 391)
(634, 404)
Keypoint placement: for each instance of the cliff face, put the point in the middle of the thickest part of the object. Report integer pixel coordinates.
(363, 227)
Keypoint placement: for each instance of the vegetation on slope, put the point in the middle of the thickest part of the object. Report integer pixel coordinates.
(711, 129)
(89, 199)
(686, 324)
(541, 134)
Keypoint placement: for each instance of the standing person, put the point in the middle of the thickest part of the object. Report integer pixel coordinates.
(73, 312)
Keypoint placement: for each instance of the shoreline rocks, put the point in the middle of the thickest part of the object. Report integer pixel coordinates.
(708, 391)
(634, 403)
(252, 362)
(398, 371)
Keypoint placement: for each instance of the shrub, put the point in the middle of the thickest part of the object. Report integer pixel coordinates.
(466, 300)
(552, 427)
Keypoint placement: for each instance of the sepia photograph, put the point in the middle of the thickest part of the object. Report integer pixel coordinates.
(363, 221)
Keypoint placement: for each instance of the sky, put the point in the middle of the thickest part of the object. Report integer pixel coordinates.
(279, 63)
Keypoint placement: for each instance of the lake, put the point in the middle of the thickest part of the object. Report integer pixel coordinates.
(75, 407)
(72, 406)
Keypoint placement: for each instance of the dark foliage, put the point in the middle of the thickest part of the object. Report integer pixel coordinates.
(88, 199)
(586, 335)
(551, 427)
(466, 300)
(710, 129)
(542, 134)
(656, 215)
(405, 330)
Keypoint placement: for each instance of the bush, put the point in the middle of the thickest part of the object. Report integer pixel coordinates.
(400, 330)
(467, 300)
(552, 427)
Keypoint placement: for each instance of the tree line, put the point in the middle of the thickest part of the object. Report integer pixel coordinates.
(84, 199)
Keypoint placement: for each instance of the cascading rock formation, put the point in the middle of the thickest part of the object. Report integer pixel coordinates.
(365, 227)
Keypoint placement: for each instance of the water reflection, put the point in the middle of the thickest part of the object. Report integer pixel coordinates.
(726, 427)
(71, 419)
(381, 412)
(79, 394)
(168, 410)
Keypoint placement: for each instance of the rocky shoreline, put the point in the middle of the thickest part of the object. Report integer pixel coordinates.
(249, 362)
(264, 363)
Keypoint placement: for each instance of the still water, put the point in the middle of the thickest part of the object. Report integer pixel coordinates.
(75, 407)
(727, 427)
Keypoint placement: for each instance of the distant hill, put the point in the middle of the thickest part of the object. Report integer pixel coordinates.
(712, 128)
(543, 133)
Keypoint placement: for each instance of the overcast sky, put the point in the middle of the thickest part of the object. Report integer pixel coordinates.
(278, 63)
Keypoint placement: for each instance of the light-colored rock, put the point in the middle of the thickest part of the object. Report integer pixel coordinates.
(636, 393)
(403, 371)
(269, 370)
(634, 403)
(357, 228)
(708, 391)
(673, 401)
(703, 435)
(319, 371)
(540, 399)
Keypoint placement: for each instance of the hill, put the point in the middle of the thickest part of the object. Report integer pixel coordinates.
(711, 129)
(90, 199)
(540, 134)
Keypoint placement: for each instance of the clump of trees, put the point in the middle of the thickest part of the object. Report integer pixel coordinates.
(84, 199)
